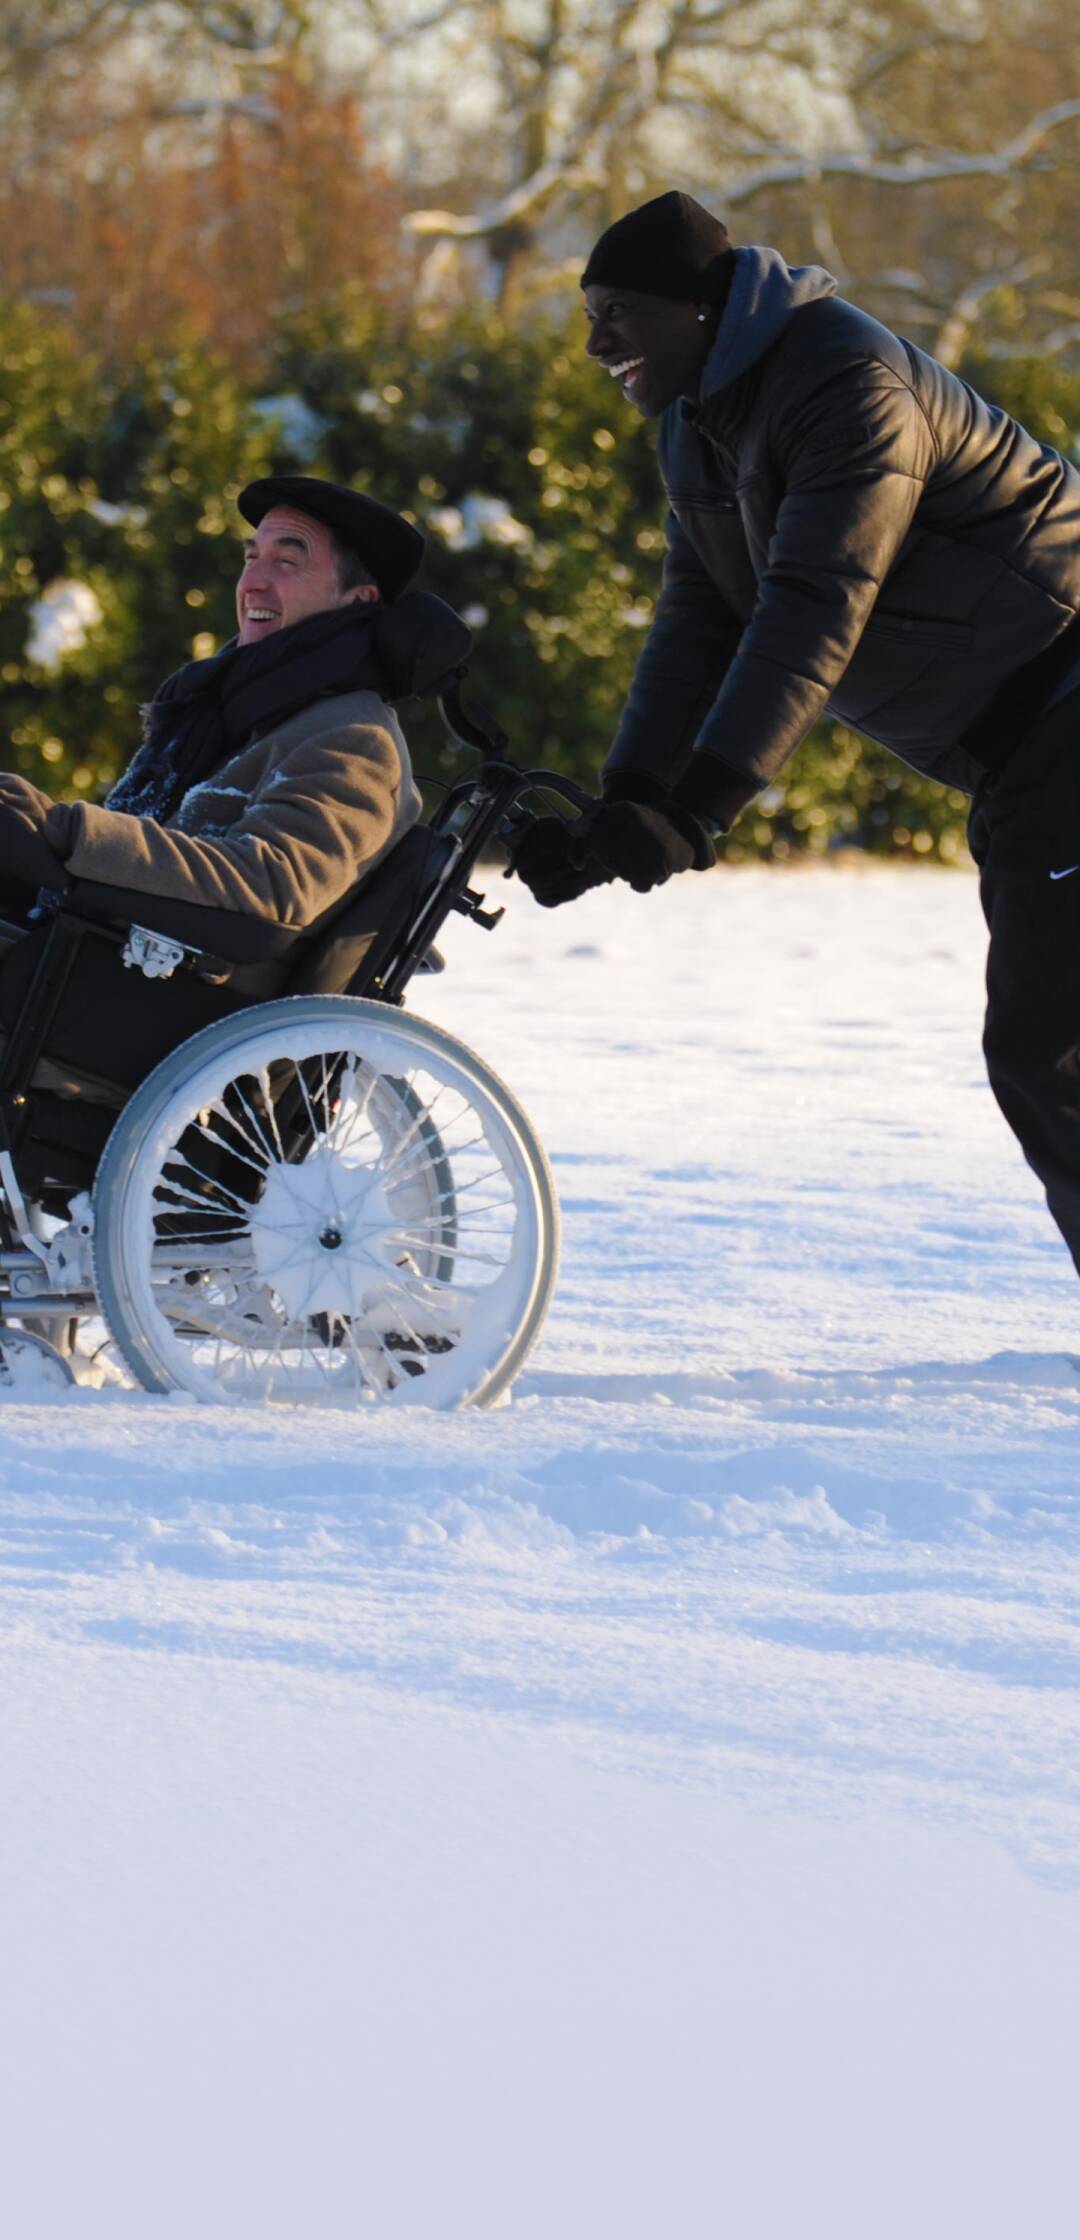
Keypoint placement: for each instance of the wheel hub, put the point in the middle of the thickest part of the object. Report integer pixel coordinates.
(320, 1232)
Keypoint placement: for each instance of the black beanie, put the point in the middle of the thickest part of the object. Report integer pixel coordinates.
(669, 247)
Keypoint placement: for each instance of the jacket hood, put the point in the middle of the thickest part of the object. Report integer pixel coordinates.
(765, 294)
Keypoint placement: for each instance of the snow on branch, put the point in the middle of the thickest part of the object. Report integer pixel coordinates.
(955, 331)
(916, 172)
(529, 196)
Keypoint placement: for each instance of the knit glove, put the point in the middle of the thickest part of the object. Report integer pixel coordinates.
(554, 861)
(645, 845)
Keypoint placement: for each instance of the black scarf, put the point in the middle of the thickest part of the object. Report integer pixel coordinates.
(209, 710)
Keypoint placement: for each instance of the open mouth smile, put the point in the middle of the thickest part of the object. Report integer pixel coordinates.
(622, 368)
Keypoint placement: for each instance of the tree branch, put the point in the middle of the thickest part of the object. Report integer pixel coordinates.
(953, 334)
(1049, 345)
(533, 193)
(521, 201)
(923, 171)
(880, 64)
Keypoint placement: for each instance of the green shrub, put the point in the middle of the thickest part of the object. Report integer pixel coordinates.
(537, 488)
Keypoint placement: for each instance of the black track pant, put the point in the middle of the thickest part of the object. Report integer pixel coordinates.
(1025, 837)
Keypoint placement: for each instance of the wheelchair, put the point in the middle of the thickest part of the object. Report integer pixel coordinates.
(241, 1161)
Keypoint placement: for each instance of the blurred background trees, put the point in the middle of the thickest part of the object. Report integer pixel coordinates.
(243, 236)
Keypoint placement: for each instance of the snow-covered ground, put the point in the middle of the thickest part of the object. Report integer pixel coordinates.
(652, 1807)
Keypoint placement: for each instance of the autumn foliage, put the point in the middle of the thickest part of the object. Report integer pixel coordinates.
(139, 227)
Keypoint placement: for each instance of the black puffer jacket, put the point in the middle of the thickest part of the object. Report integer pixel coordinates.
(852, 531)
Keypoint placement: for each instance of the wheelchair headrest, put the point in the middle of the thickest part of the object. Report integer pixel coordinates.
(420, 644)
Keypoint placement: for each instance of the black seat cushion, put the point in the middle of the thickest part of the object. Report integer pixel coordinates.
(113, 1025)
(111, 1022)
(234, 935)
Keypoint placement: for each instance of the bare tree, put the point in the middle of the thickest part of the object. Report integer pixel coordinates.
(924, 149)
(200, 58)
(932, 138)
(184, 169)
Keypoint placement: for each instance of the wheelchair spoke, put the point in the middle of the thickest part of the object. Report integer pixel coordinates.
(198, 1202)
(335, 1203)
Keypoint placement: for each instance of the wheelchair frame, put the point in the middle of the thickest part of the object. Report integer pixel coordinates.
(51, 1279)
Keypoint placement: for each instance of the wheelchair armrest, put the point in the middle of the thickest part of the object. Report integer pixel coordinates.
(232, 935)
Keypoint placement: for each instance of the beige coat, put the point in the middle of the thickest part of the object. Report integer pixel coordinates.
(281, 832)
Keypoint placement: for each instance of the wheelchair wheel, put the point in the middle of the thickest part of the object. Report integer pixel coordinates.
(31, 1368)
(324, 1200)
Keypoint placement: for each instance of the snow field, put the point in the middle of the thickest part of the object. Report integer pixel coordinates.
(649, 1806)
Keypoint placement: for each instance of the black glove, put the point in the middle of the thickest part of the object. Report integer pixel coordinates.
(645, 845)
(554, 861)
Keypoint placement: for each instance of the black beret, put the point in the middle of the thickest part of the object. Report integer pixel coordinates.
(391, 549)
(670, 247)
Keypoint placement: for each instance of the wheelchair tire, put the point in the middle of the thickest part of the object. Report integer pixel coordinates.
(30, 1367)
(327, 1201)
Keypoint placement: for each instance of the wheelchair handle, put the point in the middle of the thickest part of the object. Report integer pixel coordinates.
(553, 781)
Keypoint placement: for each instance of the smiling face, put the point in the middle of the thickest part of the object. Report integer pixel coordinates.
(290, 571)
(653, 348)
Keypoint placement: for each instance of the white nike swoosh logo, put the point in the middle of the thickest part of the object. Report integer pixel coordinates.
(1065, 874)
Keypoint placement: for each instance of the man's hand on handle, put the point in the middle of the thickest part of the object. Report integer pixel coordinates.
(625, 836)
(552, 859)
(646, 845)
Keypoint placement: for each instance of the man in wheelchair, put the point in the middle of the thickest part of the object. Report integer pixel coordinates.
(272, 782)
(316, 1200)
(271, 774)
